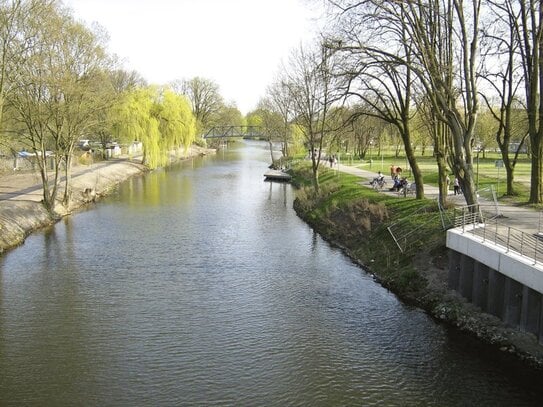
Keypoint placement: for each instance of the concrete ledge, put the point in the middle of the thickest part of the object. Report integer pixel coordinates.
(510, 264)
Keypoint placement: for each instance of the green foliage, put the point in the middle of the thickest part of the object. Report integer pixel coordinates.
(162, 122)
(177, 125)
(254, 119)
(228, 116)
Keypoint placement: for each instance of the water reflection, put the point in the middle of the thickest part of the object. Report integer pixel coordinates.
(198, 285)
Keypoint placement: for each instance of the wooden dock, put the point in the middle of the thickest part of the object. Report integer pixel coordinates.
(276, 175)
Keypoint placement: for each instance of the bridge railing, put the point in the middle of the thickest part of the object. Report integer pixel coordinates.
(509, 238)
(234, 131)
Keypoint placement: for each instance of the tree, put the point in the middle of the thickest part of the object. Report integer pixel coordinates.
(160, 119)
(314, 92)
(529, 30)
(228, 115)
(111, 89)
(205, 99)
(279, 100)
(440, 135)
(134, 121)
(49, 87)
(503, 75)
(270, 123)
(177, 124)
(442, 38)
(81, 62)
(384, 85)
(10, 17)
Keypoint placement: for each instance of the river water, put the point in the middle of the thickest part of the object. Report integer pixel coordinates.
(198, 285)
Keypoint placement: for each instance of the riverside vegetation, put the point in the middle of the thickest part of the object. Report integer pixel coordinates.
(356, 219)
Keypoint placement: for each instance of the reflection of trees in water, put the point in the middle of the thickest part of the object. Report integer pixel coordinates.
(282, 186)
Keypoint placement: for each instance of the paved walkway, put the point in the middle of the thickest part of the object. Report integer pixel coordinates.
(27, 186)
(524, 219)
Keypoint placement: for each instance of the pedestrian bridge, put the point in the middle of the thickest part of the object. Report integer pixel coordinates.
(236, 131)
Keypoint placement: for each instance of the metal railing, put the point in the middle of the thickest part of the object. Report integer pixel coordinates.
(509, 238)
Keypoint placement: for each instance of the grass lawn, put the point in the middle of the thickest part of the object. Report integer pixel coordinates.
(486, 171)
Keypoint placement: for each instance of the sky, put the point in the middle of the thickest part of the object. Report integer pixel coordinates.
(239, 44)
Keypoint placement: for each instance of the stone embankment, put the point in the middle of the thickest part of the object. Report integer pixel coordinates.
(21, 210)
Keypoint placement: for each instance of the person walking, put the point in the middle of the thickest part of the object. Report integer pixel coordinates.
(456, 186)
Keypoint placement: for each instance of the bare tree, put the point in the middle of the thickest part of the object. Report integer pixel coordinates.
(204, 96)
(529, 30)
(385, 86)
(14, 39)
(442, 37)
(313, 91)
(503, 75)
(279, 100)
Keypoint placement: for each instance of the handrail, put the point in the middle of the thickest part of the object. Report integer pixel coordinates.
(511, 239)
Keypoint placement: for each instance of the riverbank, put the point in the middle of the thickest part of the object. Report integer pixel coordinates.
(356, 219)
(22, 213)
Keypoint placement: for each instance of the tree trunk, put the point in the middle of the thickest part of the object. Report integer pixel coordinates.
(439, 133)
(510, 171)
(271, 149)
(535, 190)
(410, 154)
(315, 171)
(443, 176)
(68, 179)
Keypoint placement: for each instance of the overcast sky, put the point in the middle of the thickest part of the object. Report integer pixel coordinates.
(237, 43)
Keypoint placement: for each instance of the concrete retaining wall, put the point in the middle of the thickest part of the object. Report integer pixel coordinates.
(499, 282)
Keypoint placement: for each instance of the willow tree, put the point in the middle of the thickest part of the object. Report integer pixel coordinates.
(115, 84)
(162, 121)
(134, 121)
(177, 124)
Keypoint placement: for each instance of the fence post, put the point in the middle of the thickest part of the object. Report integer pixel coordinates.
(508, 237)
(535, 250)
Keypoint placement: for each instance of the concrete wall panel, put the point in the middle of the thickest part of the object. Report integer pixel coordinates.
(512, 302)
(531, 311)
(480, 286)
(496, 286)
(467, 266)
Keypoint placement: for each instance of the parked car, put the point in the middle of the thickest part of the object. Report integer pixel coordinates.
(84, 145)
